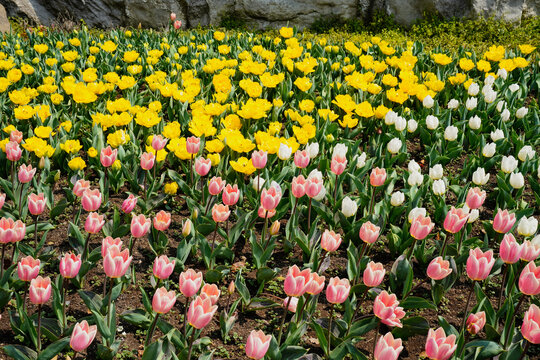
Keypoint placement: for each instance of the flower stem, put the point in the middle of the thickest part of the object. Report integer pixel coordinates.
(467, 308)
(109, 313)
(86, 245)
(409, 253)
(309, 216)
(2, 262)
(372, 200)
(283, 320)
(151, 330)
(39, 329)
(329, 346)
(510, 331)
(524, 350)
(461, 240)
(64, 288)
(191, 169)
(36, 233)
(505, 273)
(376, 337)
(184, 327)
(191, 344)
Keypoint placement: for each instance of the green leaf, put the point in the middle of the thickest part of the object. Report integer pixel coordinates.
(136, 317)
(415, 302)
(242, 288)
(415, 325)
(488, 349)
(54, 349)
(19, 352)
(92, 300)
(359, 328)
(321, 335)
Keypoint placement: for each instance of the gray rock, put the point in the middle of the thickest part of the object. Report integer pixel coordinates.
(5, 27)
(198, 13)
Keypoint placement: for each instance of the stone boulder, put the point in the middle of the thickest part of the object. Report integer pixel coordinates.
(5, 27)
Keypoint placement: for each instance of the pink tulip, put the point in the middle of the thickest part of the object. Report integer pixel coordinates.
(108, 156)
(476, 322)
(388, 348)
(530, 250)
(190, 282)
(80, 187)
(257, 344)
(330, 240)
(475, 198)
(116, 262)
(503, 221)
(140, 226)
(337, 290)
(531, 325)
(129, 204)
(147, 160)
(291, 303)
(193, 144)
(421, 226)
(455, 220)
(479, 264)
(510, 250)
(159, 142)
(301, 159)
(202, 166)
(173, 16)
(108, 242)
(16, 135)
(263, 213)
(163, 267)
(94, 222)
(26, 173)
(40, 290)
(220, 212)
(313, 186)
(13, 151)
(439, 346)
(529, 280)
(2, 200)
(91, 200)
(315, 284)
(438, 268)
(82, 336)
(296, 281)
(230, 194)
(70, 265)
(11, 231)
(298, 186)
(369, 232)
(259, 159)
(177, 24)
(163, 300)
(200, 312)
(386, 308)
(211, 291)
(162, 221)
(270, 198)
(377, 177)
(373, 274)
(36, 204)
(338, 164)
(215, 185)
(28, 268)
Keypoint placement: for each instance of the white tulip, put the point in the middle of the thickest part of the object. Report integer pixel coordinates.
(508, 164)
(479, 177)
(397, 198)
(400, 124)
(412, 125)
(489, 150)
(257, 183)
(527, 227)
(473, 89)
(453, 104)
(502, 73)
(348, 207)
(451, 133)
(428, 102)
(475, 122)
(284, 152)
(360, 160)
(415, 178)
(486, 89)
(473, 215)
(505, 115)
(413, 166)
(417, 211)
(436, 172)
(513, 88)
(500, 105)
(390, 118)
(394, 146)
(522, 112)
(439, 187)
(321, 195)
(340, 150)
(490, 80)
(432, 122)
(315, 174)
(517, 181)
(471, 103)
(490, 96)
(313, 149)
(498, 134)
(526, 152)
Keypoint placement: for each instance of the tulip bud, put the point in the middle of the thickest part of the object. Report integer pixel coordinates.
(274, 229)
(186, 228)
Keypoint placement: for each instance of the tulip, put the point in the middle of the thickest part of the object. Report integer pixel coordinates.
(163, 267)
(265, 214)
(186, 228)
(388, 348)
(284, 151)
(530, 249)
(373, 274)
(140, 226)
(313, 185)
(93, 223)
(529, 280)
(173, 16)
(475, 198)
(82, 336)
(369, 233)
(439, 346)
(26, 174)
(177, 24)
(503, 221)
(2, 200)
(36, 204)
(162, 221)
(40, 290)
(421, 226)
(13, 151)
(348, 207)
(259, 159)
(386, 308)
(108, 242)
(330, 240)
(116, 262)
(315, 284)
(28, 268)
(337, 290)
(190, 282)
(296, 281)
(70, 265)
(298, 186)
(439, 187)
(80, 187)
(455, 219)
(147, 160)
(91, 200)
(301, 159)
(397, 198)
(215, 185)
(531, 325)
(257, 344)
(200, 312)
(479, 264)
(517, 180)
(129, 204)
(274, 229)
(527, 226)
(202, 166)
(510, 250)
(163, 300)
(220, 213)
(290, 303)
(11, 231)
(476, 322)
(377, 177)
(338, 164)
(107, 156)
(16, 135)
(270, 198)
(438, 268)
(230, 194)
(193, 144)
(159, 142)
(211, 291)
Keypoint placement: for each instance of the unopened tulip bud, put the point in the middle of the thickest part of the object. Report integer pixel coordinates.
(186, 229)
(274, 229)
